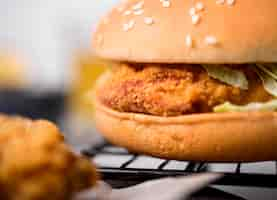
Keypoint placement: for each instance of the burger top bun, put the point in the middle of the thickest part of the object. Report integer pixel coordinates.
(189, 31)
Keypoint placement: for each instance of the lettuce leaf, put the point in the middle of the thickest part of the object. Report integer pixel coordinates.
(270, 84)
(271, 67)
(268, 69)
(227, 75)
(228, 107)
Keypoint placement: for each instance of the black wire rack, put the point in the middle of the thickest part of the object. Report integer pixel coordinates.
(116, 163)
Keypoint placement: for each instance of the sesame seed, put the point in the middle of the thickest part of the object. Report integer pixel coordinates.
(128, 26)
(131, 24)
(211, 40)
(166, 3)
(230, 2)
(138, 6)
(199, 6)
(125, 27)
(127, 12)
(138, 12)
(220, 2)
(195, 19)
(148, 20)
(189, 41)
(192, 11)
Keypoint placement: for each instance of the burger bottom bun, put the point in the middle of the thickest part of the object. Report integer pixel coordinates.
(230, 137)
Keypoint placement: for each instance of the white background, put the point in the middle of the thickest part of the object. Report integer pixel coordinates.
(45, 32)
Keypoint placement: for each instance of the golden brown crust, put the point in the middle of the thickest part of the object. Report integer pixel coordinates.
(35, 162)
(246, 33)
(172, 90)
(200, 137)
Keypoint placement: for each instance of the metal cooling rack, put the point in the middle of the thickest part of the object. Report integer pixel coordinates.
(116, 163)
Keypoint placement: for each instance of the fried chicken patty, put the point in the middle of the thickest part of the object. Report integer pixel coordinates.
(35, 163)
(172, 90)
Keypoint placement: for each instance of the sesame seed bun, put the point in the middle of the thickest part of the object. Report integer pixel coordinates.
(178, 31)
(156, 32)
(200, 137)
(249, 136)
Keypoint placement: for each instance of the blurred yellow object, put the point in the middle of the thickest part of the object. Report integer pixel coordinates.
(79, 121)
(86, 69)
(12, 72)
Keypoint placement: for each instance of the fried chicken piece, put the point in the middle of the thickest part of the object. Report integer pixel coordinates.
(172, 90)
(35, 163)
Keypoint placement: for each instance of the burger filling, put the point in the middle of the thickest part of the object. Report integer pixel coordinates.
(172, 90)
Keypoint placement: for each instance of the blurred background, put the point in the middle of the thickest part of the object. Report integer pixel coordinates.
(47, 64)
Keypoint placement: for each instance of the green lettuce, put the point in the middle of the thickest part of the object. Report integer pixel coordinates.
(227, 75)
(271, 67)
(228, 107)
(268, 78)
(270, 70)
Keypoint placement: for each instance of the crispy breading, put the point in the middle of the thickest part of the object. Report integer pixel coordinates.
(172, 90)
(35, 163)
